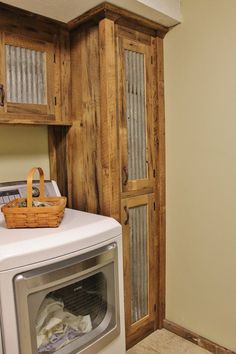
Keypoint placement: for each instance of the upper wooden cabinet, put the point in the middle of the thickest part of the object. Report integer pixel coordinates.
(34, 69)
(27, 77)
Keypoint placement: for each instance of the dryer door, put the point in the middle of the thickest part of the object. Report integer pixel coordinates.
(70, 306)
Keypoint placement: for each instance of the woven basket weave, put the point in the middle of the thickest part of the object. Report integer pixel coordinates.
(29, 216)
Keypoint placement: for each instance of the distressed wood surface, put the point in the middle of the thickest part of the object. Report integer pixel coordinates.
(58, 151)
(129, 33)
(22, 119)
(133, 41)
(110, 199)
(25, 30)
(65, 75)
(27, 23)
(119, 16)
(133, 246)
(159, 144)
(84, 136)
(2, 72)
(86, 81)
(127, 138)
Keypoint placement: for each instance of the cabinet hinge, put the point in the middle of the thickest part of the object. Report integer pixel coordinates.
(55, 101)
(155, 307)
(154, 206)
(154, 173)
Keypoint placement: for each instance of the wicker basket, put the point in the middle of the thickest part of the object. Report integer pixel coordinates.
(29, 216)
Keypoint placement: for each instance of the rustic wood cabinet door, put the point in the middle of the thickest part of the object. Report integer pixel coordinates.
(138, 130)
(136, 71)
(27, 78)
(138, 223)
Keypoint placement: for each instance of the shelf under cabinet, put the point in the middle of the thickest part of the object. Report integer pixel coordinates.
(35, 122)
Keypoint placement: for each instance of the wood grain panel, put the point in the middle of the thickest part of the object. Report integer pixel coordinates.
(2, 71)
(65, 76)
(129, 33)
(84, 136)
(159, 143)
(120, 16)
(26, 30)
(110, 200)
(58, 151)
(15, 20)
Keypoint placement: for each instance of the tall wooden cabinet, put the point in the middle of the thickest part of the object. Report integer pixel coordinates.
(116, 147)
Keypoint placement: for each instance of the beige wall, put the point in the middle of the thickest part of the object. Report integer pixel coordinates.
(22, 147)
(200, 75)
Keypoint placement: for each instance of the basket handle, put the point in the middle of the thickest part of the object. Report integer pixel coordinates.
(29, 185)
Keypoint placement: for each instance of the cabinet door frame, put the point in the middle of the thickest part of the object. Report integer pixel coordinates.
(149, 200)
(146, 50)
(29, 110)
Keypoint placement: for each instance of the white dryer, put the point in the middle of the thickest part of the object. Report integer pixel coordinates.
(61, 289)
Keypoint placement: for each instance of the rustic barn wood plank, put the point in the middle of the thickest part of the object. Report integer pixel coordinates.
(84, 136)
(110, 200)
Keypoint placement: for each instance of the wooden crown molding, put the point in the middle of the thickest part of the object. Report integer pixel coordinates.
(119, 16)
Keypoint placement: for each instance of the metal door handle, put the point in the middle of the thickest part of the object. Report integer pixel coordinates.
(2, 95)
(125, 176)
(127, 215)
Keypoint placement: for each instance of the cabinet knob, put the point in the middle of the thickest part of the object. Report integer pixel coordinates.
(2, 95)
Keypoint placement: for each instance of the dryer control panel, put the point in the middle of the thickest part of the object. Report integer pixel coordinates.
(13, 190)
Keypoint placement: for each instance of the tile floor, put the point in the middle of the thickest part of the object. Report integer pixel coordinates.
(164, 342)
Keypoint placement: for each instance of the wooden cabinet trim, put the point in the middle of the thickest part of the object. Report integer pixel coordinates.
(110, 204)
(22, 41)
(161, 186)
(120, 16)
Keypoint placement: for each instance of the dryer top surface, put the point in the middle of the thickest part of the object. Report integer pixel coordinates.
(77, 231)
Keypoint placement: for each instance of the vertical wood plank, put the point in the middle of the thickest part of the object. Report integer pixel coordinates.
(84, 136)
(65, 82)
(2, 68)
(57, 143)
(161, 180)
(55, 94)
(110, 202)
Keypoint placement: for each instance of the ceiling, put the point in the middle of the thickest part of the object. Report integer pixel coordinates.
(164, 12)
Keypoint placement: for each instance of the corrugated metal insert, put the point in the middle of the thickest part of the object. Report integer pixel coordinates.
(139, 262)
(136, 122)
(25, 75)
